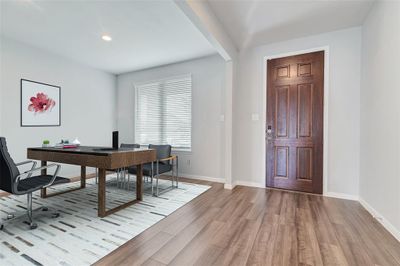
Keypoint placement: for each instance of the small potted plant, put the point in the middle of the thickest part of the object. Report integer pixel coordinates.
(46, 143)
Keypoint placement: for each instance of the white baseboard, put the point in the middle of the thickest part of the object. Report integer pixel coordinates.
(249, 184)
(341, 196)
(382, 220)
(229, 186)
(328, 194)
(204, 178)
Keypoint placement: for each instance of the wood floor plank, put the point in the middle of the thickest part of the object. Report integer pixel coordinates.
(197, 247)
(369, 239)
(151, 262)
(241, 244)
(254, 226)
(209, 256)
(179, 242)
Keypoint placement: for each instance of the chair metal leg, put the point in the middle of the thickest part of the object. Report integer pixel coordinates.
(122, 176)
(176, 172)
(125, 178)
(172, 176)
(32, 225)
(151, 178)
(118, 178)
(152, 185)
(97, 175)
(157, 175)
(29, 213)
(29, 207)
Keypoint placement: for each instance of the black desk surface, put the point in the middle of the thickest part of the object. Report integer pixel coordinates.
(93, 150)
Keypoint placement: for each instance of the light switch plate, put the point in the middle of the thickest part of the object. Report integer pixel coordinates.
(255, 117)
(222, 118)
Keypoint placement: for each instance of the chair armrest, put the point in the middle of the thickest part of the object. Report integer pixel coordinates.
(173, 157)
(26, 162)
(34, 163)
(30, 172)
(40, 168)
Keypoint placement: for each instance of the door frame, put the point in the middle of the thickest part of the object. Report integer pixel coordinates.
(325, 177)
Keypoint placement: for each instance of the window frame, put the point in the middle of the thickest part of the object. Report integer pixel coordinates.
(136, 86)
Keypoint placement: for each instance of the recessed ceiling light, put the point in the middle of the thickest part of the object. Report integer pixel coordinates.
(106, 38)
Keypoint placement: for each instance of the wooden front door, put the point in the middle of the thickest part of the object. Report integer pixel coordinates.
(294, 129)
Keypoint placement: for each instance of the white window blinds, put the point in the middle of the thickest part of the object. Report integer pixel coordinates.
(164, 112)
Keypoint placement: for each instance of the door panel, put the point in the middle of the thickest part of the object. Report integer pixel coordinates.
(304, 109)
(295, 122)
(304, 163)
(282, 111)
(281, 162)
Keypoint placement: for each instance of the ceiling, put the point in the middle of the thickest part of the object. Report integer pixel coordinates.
(254, 22)
(145, 33)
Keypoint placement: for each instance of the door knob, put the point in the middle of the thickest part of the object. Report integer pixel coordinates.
(269, 130)
(269, 133)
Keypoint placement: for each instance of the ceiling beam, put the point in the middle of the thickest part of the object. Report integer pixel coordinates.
(202, 17)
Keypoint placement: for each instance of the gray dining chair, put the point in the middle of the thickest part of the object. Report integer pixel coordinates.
(122, 178)
(25, 183)
(165, 163)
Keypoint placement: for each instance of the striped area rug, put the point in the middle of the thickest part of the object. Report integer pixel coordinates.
(78, 236)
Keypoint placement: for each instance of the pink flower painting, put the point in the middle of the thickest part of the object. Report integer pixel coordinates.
(41, 103)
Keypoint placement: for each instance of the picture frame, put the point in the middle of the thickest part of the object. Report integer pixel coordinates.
(40, 104)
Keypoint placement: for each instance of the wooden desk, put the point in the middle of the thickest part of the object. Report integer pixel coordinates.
(101, 158)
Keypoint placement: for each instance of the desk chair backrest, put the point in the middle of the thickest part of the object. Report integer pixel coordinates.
(163, 151)
(8, 169)
(130, 146)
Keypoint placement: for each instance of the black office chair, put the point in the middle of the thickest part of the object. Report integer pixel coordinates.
(163, 164)
(14, 182)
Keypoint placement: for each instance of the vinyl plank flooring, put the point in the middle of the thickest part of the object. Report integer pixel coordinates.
(254, 226)
(179, 242)
(237, 251)
(152, 262)
(196, 248)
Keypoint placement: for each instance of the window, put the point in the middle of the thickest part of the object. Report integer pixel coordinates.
(164, 112)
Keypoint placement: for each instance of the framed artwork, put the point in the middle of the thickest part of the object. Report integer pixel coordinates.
(40, 104)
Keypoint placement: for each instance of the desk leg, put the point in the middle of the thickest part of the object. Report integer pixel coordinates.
(101, 208)
(83, 176)
(139, 182)
(43, 192)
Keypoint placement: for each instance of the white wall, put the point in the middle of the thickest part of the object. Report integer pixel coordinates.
(343, 113)
(87, 95)
(1, 96)
(206, 157)
(380, 114)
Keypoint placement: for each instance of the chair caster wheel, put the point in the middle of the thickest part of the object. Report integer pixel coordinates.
(55, 215)
(33, 226)
(10, 216)
(45, 209)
